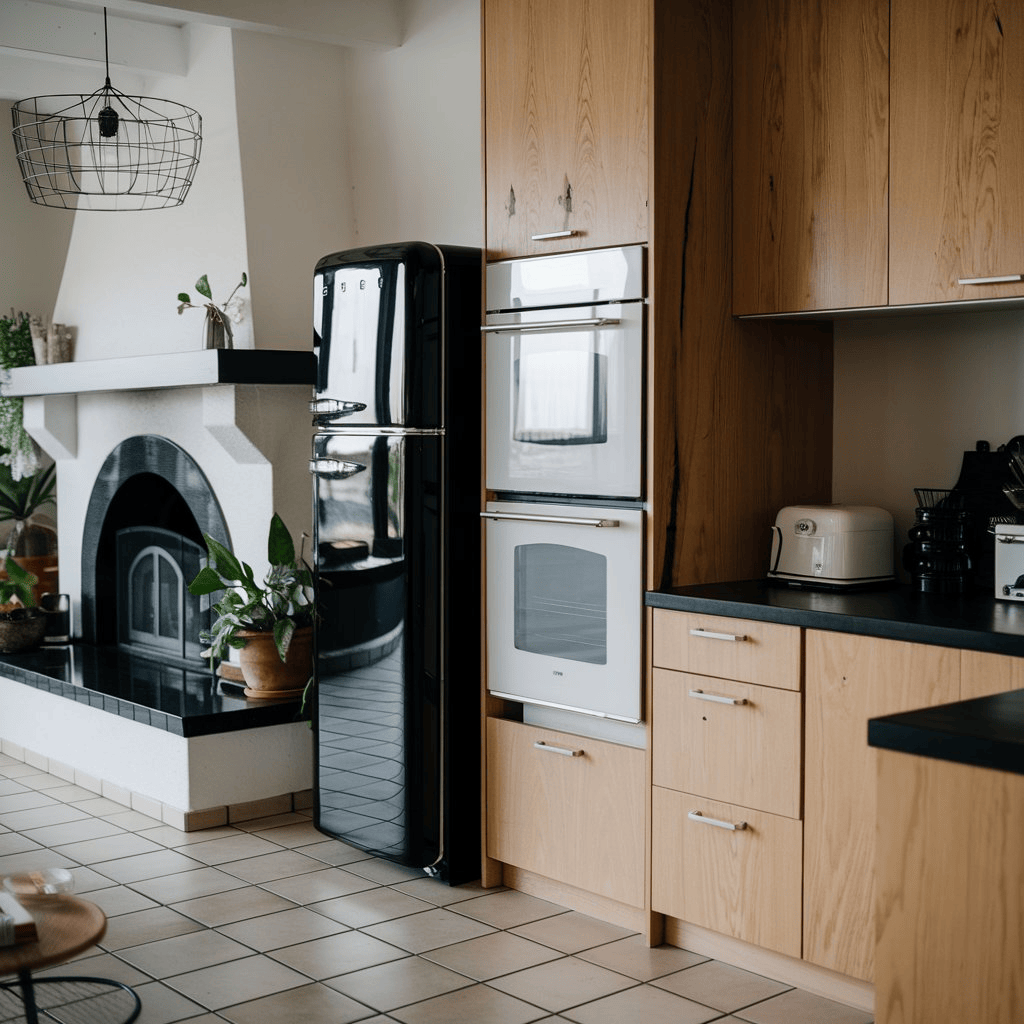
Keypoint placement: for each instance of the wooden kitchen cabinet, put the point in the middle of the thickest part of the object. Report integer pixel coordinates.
(983, 674)
(567, 807)
(811, 155)
(849, 679)
(957, 150)
(565, 124)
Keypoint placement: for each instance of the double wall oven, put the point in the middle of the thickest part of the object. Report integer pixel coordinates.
(564, 535)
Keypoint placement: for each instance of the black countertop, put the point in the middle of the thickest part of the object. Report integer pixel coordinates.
(987, 732)
(973, 621)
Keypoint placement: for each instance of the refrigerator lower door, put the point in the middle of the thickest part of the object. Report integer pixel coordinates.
(379, 703)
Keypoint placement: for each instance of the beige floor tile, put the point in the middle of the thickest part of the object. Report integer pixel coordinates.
(287, 928)
(384, 871)
(634, 958)
(157, 864)
(132, 819)
(491, 956)
(477, 1004)
(300, 833)
(508, 909)
(222, 908)
(119, 899)
(17, 842)
(222, 985)
(33, 860)
(73, 831)
(98, 965)
(642, 1003)
(331, 851)
(183, 953)
(240, 846)
(270, 821)
(173, 838)
(560, 984)
(98, 805)
(145, 926)
(316, 886)
(162, 1005)
(337, 954)
(398, 983)
(188, 885)
(441, 894)
(720, 985)
(43, 782)
(115, 847)
(67, 792)
(312, 1004)
(572, 932)
(429, 930)
(371, 907)
(87, 880)
(36, 817)
(273, 865)
(23, 801)
(8, 786)
(798, 1007)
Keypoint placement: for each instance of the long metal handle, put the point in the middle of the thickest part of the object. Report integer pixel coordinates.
(998, 279)
(564, 751)
(335, 468)
(544, 236)
(708, 634)
(1009, 538)
(334, 407)
(732, 826)
(717, 698)
(526, 517)
(549, 325)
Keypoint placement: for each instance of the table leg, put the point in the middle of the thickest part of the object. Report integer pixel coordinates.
(28, 996)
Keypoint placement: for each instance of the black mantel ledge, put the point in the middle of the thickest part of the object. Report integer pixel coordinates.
(163, 370)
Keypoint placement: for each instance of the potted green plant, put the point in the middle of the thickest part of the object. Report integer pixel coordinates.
(218, 316)
(270, 625)
(31, 543)
(22, 622)
(19, 450)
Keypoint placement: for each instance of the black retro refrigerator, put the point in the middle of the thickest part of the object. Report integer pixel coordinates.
(396, 501)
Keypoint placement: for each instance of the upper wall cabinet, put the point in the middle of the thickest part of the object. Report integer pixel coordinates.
(566, 86)
(811, 105)
(957, 211)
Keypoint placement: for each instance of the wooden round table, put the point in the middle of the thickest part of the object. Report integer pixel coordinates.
(66, 925)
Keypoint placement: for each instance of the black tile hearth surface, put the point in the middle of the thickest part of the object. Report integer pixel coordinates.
(159, 694)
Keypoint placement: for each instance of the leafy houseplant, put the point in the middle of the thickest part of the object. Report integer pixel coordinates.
(22, 623)
(218, 317)
(32, 544)
(16, 350)
(250, 615)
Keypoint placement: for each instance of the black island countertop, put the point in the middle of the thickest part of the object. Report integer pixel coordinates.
(973, 621)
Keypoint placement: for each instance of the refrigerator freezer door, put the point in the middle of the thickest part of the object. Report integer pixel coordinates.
(379, 704)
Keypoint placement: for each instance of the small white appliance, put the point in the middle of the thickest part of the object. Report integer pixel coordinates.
(1010, 562)
(832, 546)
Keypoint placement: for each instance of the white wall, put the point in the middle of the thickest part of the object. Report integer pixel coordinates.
(913, 393)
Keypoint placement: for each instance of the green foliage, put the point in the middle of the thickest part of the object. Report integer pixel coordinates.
(282, 604)
(19, 584)
(15, 342)
(15, 350)
(203, 287)
(20, 498)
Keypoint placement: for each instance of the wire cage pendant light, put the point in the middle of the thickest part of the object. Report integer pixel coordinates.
(106, 151)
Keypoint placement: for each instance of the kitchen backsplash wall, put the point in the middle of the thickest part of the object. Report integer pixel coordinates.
(913, 393)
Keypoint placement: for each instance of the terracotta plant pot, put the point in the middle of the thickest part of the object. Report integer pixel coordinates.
(22, 634)
(265, 674)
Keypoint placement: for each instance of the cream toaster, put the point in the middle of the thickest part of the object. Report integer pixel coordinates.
(832, 546)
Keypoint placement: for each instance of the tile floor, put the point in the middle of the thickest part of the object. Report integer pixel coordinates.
(269, 921)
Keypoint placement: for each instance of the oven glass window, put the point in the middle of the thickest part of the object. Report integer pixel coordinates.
(560, 392)
(561, 602)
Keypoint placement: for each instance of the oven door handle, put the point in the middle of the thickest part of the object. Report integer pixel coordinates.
(526, 517)
(550, 325)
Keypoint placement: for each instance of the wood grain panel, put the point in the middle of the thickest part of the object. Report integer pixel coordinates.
(811, 173)
(744, 883)
(957, 148)
(983, 673)
(950, 891)
(746, 753)
(848, 680)
(578, 820)
(769, 653)
(565, 125)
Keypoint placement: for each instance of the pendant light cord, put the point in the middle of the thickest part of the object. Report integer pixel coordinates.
(106, 47)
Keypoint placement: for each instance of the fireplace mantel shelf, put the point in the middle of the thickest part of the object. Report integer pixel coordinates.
(165, 370)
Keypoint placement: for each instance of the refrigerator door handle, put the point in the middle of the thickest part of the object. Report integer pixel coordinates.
(327, 409)
(549, 325)
(335, 469)
(524, 517)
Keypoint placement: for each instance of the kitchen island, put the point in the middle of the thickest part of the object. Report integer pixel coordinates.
(949, 871)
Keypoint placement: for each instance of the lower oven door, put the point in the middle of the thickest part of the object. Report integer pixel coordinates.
(563, 606)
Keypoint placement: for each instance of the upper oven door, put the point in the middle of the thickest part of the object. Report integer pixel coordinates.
(565, 400)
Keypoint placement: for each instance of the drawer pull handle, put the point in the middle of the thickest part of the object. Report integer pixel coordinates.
(737, 826)
(717, 698)
(564, 751)
(545, 235)
(710, 635)
(998, 279)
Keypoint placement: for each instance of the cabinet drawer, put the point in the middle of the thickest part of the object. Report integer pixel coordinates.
(742, 649)
(743, 883)
(746, 753)
(576, 819)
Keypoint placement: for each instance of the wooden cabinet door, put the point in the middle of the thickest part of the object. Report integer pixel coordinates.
(957, 149)
(848, 680)
(565, 124)
(810, 172)
(983, 674)
(575, 819)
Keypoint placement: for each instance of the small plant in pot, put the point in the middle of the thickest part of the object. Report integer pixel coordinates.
(22, 622)
(270, 625)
